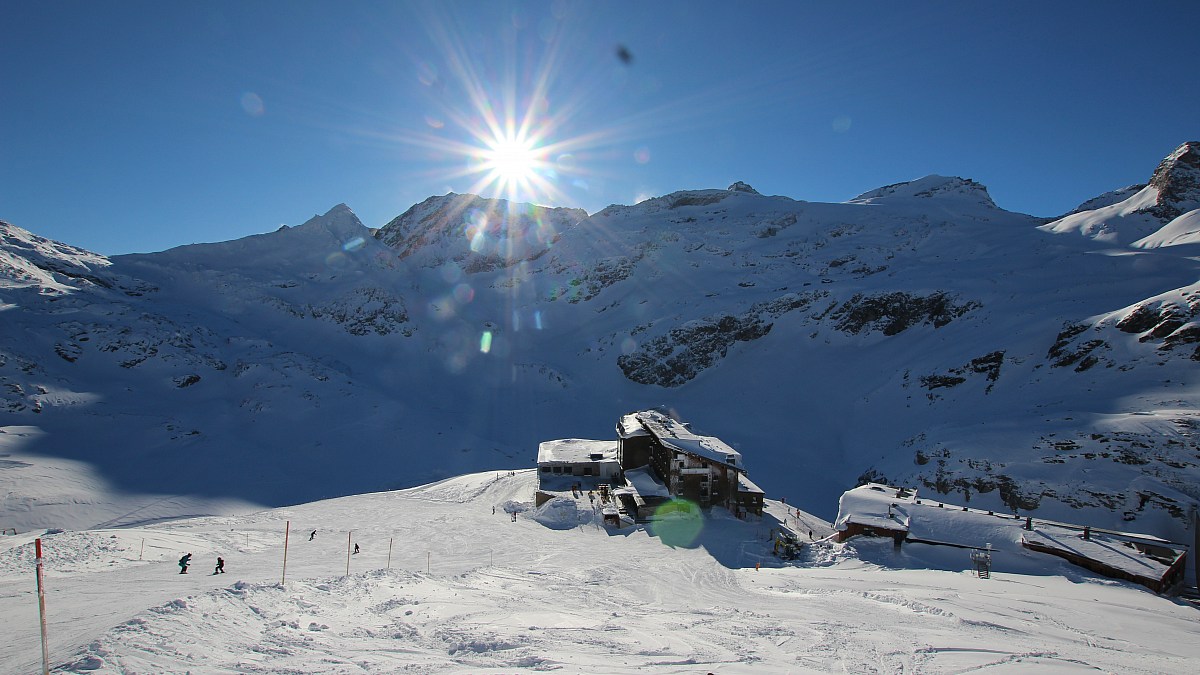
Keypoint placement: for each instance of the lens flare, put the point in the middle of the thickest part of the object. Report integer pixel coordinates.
(252, 103)
(677, 523)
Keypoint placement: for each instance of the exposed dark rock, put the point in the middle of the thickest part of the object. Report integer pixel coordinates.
(742, 187)
(770, 227)
(892, 313)
(186, 380)
(366, 310)
(988, 365)
(696, 199)
(1140, 320)
(1065, 353)
(1178, 181)
(680, 355)
(932, 382)
(69, 352)
(589, 283)
(1011, 493)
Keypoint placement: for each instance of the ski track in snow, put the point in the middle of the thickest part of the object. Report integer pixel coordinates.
(504, 597)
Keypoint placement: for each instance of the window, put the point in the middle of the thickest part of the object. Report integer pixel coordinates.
(587, 470)
(558, 469)
(545, 469)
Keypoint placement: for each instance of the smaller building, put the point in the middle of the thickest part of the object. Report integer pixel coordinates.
(749, 496)
(874, 510)
(1152, 562)
(575, 462)
(897, 513)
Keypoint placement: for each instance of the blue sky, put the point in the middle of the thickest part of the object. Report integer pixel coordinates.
(138, 126)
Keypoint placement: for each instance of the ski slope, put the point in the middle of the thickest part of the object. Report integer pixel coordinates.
(447, 582)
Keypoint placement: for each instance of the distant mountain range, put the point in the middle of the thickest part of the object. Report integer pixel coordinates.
(917, 334)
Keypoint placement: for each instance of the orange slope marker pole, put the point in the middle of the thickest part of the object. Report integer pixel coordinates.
(41, 591)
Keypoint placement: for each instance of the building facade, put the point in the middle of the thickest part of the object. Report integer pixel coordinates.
(702, 469)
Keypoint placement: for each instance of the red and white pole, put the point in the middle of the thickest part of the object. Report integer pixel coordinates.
(41, 591)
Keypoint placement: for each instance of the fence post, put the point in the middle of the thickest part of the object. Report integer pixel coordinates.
(389, 553)
(41, 591)
(348, 552)
(287, 529)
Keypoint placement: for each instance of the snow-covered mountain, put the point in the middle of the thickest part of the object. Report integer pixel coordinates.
(1163, 212)
(918, 334)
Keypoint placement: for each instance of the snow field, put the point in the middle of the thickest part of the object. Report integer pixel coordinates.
(504, 597)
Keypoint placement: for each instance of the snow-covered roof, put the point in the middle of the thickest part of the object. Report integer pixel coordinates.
(747, 485)
(875, 505)
(645, 483)
(887, 507)
(677, 436)
(576, 450)
(1108, 551)
(629, 426)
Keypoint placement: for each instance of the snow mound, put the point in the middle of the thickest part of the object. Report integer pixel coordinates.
(562, 513)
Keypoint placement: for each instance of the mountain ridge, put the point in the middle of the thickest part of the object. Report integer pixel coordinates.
(917, 333)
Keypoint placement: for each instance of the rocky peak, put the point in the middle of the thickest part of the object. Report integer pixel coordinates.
(742, 187)
(931, 187)
(460, 226)
(339, 221)
(1178, 181)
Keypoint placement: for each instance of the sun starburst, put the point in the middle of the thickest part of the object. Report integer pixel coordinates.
(514, 165)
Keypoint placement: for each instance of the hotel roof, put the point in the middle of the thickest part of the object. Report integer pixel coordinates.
(677, 436)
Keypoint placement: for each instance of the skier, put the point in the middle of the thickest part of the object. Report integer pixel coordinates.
(356, 548)
(184, 562)
(314, 534)
(220, 566)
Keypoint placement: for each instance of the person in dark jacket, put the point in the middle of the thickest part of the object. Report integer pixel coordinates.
(184, 562)
(220, 566)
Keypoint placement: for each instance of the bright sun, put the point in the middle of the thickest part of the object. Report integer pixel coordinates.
(511, 161)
